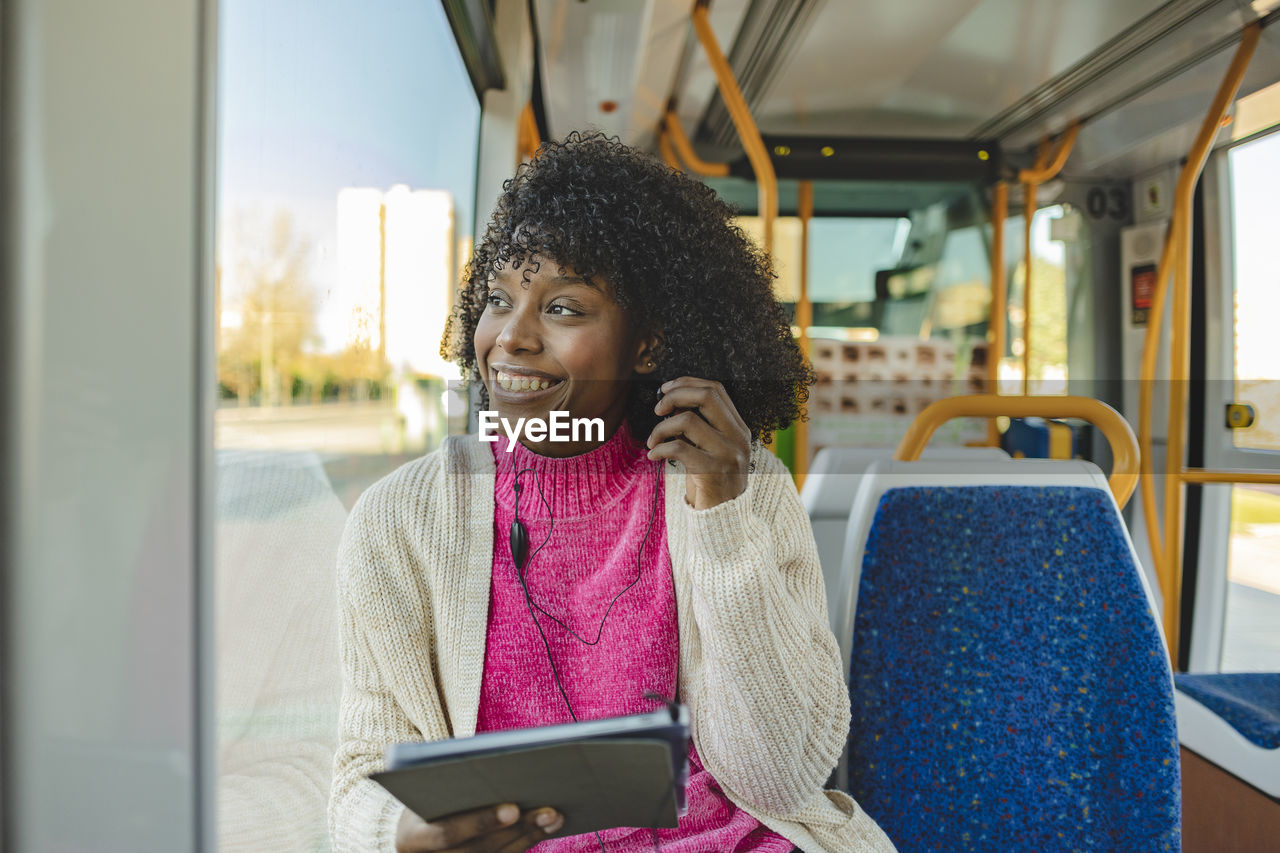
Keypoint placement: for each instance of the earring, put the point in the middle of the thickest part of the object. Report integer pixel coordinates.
(650, 363)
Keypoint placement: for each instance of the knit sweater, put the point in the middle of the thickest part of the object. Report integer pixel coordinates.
(598, 567)
(759, 667)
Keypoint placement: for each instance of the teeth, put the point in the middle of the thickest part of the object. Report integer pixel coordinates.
(515, 382)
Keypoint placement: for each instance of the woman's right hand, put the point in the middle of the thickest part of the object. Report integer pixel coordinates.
(494, 829)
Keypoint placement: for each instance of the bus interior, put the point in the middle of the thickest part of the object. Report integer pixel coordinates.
(1027, 245)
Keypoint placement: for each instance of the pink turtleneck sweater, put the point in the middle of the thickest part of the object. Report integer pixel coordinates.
(607, 507)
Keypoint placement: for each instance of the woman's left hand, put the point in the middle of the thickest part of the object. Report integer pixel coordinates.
(707, 435)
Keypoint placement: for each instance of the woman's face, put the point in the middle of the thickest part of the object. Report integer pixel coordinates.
(556, 343)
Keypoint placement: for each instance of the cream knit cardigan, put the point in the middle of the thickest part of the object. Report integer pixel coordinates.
(759, 667)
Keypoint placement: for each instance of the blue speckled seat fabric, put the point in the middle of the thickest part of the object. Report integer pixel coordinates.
(1249, 701)
(1008, 683)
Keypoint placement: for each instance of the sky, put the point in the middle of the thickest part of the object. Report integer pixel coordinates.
(317, 95)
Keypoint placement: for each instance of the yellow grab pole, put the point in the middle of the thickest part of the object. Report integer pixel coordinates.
(804, 319)
(1028, 214)
(1176, 256)
(1199, 475)
(685, 149)
(999, 300)
(1047, 167)
(1179, 367)
(1146, 387)
(527, 137)
(668, 155)
(1029, 188)
(766, 180)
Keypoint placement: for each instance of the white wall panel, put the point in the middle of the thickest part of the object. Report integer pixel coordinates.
(107, 175)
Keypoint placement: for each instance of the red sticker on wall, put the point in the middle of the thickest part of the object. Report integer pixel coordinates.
(1142, 287)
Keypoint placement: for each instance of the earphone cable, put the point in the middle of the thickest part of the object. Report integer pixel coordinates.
(657, 484)
(522, 566)
(528, 600)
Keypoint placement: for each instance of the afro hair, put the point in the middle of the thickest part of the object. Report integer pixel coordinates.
(667, 249)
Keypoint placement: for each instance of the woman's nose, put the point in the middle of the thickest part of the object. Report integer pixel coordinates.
(520, 332)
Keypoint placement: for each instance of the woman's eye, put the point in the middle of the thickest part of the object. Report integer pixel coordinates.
(497, 300)
(562, 310)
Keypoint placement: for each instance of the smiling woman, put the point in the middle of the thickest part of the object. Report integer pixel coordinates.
(601, 292)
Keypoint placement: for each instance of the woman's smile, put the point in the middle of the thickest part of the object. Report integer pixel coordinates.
(521, 386)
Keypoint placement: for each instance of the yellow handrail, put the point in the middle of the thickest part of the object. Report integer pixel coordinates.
(999, 299)
(668, 155)
(685, 149)
(766, 179)
(1029, 205)
(1146, 387)
(1177, 253)
(1124, 447)
(1046, 168)
(527, 137)
(804, 319)
(1201, 475)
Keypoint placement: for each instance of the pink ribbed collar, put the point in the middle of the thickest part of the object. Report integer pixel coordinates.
(573, 486)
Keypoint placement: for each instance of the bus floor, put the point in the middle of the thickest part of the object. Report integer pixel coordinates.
(1222, 814)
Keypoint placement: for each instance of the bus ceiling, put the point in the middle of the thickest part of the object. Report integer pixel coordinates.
(895, 95)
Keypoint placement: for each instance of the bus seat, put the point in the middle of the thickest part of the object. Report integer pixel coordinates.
(881, 476)
(1010, 687)
(831, 484)
(1233, 720)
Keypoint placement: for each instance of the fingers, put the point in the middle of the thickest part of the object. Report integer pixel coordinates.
(716, 439)
(705, 432)
(704, 450)
(544, 824)
(533, 828)
(454, 830)
(709, 399)
(687, 454)
(690, 426)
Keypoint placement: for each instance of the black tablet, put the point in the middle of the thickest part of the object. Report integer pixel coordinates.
(600, 774)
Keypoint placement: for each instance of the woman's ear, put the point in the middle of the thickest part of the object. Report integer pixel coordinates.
(649, 353)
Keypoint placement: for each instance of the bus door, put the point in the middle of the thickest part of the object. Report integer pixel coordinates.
(1235, 586)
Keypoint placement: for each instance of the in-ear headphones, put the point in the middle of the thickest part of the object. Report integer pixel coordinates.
(519, 535)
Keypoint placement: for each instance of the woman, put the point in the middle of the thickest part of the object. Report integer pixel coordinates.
(511, 583)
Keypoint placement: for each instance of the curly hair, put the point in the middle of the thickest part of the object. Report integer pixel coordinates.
(667, 248)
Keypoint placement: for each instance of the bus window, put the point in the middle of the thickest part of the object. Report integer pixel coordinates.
(785, 254)
(1250, 640)
(347, 150)
(1255, 186)
(846, 252)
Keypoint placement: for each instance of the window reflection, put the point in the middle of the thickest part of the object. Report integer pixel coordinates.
(347, 154)
(1250, 641)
